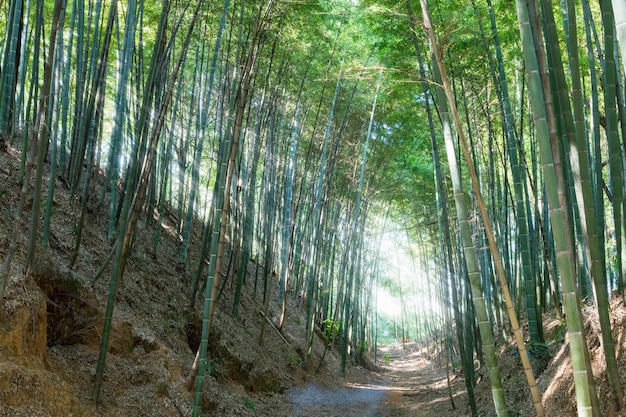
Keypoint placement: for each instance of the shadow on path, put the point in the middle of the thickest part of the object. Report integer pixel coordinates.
(408, 385)
(312, 400)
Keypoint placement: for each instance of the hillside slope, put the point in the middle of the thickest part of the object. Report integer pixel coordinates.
(52, 320)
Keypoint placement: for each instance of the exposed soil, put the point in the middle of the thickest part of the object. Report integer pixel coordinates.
(51, 324)
(52, 320)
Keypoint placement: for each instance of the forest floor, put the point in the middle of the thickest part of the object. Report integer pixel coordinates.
(52, 318)
(407, 385)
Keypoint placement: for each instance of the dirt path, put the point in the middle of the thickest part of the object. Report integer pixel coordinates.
(408, 385)
(418, 388)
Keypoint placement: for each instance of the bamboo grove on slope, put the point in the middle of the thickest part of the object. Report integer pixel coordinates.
(298, 132)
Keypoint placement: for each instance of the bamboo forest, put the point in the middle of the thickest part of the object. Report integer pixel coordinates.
(312, 208)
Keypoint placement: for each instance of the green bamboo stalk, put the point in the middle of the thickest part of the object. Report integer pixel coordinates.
(186, 212)
(249, 195)
(312, 278)
(585, 198)
(220, 219)
(523, 221)
(78, 17)
(443, 221)
(20, 116)
(616, 179)
(595, 130)
(199, 146)
(33, 93)
(9, 69)
(53, 105)
(133, 204)
(43, 134)
(166, 157)
(271, 212)
(87, 85)
(619, 14)
(287, 217)
(65, 92)
(126, 228)
(485, 332)
(586, 397)
(355, 237)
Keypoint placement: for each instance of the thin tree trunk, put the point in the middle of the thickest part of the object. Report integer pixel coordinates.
(42, 132)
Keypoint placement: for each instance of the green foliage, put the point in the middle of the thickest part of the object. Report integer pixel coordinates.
(141, 261)
(540, 350)
(385, 329)
(362, 346)
(162, 388)
(295, 358)
(559, 334)
(249, 404)
(211, 367)
(331, 328)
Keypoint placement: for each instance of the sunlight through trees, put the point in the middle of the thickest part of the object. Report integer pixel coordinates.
(299, 144)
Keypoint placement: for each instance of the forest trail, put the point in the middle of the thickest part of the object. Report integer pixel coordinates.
(407, 385)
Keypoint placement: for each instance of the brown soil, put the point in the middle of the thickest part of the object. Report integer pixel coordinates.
(51, 323)
(418, 387)
(52, 320)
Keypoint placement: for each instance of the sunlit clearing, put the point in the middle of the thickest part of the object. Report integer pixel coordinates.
(387, 304)
(406, 295)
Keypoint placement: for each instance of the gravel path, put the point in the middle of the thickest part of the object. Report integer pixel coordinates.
(315, 401)
(408, 386)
